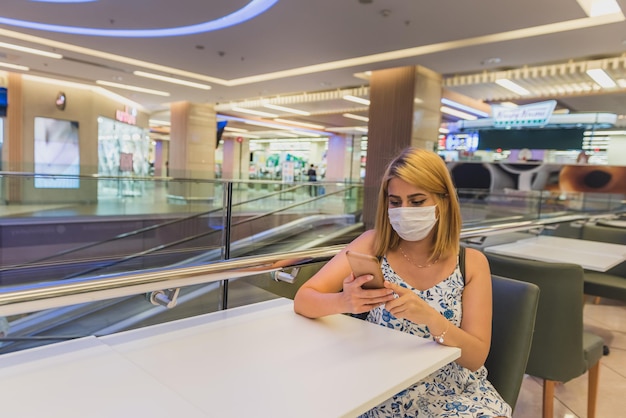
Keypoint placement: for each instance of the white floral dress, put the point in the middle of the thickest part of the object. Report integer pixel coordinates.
(453, 390)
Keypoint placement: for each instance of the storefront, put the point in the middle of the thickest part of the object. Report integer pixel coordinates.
(124, 150)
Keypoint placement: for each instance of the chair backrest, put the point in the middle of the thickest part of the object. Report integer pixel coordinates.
(514, 311)
(557, 347)
(611, 235)
(603, 233)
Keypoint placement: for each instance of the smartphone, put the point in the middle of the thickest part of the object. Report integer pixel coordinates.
(363, 264)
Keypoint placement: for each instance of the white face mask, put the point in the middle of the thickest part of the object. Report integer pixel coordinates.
(412, 223)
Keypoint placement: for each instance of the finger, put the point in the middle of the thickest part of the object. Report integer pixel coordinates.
(397, 311)
(400, 290)
(396, 306)
(349, 279)
(363, 279)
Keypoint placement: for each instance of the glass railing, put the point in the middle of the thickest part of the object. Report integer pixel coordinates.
(176, 244)
(481, 207)
(101, 229)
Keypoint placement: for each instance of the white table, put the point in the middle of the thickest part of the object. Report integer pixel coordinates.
(257, 360)
(591, 255)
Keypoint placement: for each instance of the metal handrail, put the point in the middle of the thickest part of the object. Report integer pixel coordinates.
(46, 295)
(21, 299)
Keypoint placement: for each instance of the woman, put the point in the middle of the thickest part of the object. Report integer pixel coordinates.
(416, 236)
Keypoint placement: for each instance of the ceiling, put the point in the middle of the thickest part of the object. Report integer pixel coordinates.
(307, 54)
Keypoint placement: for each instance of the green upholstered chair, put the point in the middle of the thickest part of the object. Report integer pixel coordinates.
(610, 284)
(514, 311)
(561, 350)
(604, 233)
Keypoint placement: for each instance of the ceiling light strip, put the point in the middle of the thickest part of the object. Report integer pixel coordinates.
(286, 109)
(13, 66)
(601, 78)
(132, 88)
(172, 80)
(356, 99)
(307, 97)
(231, 129)
(356, 117)
(548, 29)
(465, 108)
(241, 134)
(347, 129)
(253, 112)
(457, 113)
(30, 50)
(99, 90)
(511, 86)
(221, 116)
(112, 57)
(297, 123)
(364, 60)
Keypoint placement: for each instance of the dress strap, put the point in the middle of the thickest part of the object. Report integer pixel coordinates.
(462, 261)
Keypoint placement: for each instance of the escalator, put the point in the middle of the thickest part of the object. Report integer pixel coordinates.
(101, 318)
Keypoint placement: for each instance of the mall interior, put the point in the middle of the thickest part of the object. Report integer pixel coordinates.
(170, 177)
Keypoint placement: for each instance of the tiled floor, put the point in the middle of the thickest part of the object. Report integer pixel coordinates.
(608, 320)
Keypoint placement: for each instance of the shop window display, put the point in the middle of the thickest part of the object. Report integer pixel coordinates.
(123, 153)
(57, 152)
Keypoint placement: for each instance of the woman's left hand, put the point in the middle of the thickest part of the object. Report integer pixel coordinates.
(408, 305)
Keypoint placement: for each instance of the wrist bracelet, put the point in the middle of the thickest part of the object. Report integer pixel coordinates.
(439, 338)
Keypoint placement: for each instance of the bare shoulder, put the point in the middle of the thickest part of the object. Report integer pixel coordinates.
(476, 266)
(475, 256)
(364, 243)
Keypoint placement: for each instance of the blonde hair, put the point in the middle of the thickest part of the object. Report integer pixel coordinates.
(427, 171)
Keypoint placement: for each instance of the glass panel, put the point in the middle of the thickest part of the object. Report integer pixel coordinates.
(174, 223)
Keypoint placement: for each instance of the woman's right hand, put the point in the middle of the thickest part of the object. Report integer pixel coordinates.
(358, 300)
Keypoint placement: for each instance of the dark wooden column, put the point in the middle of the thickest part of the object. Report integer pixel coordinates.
(404, 111)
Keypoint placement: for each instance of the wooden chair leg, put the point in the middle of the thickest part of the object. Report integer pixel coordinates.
(548, 398)
(592, 390)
